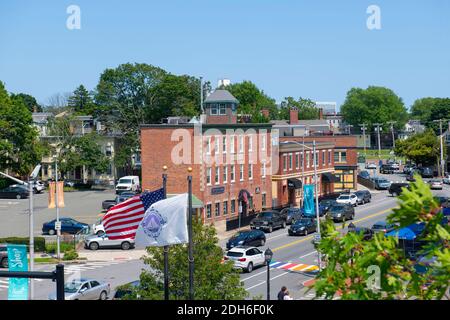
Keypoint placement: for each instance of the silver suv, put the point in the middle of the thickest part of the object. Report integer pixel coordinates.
(3, 256)
(95, 242)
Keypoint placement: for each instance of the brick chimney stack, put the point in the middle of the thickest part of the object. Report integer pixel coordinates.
(293, 116)
(320, 114)
(265, 113)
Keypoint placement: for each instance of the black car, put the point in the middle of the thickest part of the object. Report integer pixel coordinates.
(426, 172)
(303, 226)
(14, 192)
(68, 225)
(364, 196)
(326, 204)
(291, 214)
(341, 212)
(365, 232)
(383, 226)
(387, 169)
(268, 221)
(254, 238)
(3, 256)
(396, 188)
(364, 174)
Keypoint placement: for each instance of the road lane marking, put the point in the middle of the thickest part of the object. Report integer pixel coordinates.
(257, 285)
(337, 228)
(299, 267)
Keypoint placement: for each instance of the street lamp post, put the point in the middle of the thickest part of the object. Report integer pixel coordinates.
(166, 248)
(58, 231)
(268, 254)
(191, 241)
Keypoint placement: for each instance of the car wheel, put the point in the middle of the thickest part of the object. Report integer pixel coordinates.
(100, 233)
(283, 225)
(270, 229)
(125, 246)
(103, 295)
(263, 242)
(93, 246)
(250, 267)
(306, 232)
(51, 232)
(4, 263)
(18, 197)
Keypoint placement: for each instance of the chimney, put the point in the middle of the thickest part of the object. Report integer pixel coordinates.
(293, 116)
(320, 114)
(265, 113)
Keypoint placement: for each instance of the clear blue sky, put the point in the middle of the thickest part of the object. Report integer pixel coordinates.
(315, 49)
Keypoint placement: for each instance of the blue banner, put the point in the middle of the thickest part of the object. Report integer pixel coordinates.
(17, 261)
(308, 199)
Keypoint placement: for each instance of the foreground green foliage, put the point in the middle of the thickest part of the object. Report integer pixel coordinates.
(213, 280)
(378, 268)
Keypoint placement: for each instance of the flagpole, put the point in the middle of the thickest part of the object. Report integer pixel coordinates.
(191, 255)
(166, 248)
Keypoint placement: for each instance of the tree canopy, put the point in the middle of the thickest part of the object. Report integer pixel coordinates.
(81, 101)
(422, 148)
(29, 101)
(306, 108)
(374, 105)
(429, 109)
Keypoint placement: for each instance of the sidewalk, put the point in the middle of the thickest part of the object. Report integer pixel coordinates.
(112, 255)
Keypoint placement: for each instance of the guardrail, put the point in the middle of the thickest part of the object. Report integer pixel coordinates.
(366, 182)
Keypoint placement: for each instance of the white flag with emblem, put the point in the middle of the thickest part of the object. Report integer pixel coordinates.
(164, 223)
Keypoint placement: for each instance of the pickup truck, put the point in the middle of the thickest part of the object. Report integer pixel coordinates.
(108, 204)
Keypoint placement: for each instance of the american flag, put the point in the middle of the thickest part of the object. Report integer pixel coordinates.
(122, 220)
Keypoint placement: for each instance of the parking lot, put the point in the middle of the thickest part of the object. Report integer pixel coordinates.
(84, 206)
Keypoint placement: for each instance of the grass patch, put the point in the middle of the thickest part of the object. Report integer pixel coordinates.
(45, 260)
(64, 247)
(385, 154)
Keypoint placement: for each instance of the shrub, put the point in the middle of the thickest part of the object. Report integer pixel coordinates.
(64, 247)
(70, 255)
(39, 242)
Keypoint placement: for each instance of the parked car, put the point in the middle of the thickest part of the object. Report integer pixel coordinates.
(366, 232)
(322, 212)
(410, 176)
(364, 174)
(128, 183)
(408, 168)
(326, 204)
(108, 204)
(371, 166)
(291, 214)
(381, 183)
(14, 191)
(387, 169)
(3, 256)
(125, 289)
(435, 184)
(426, 172)
(396, 188)
(268, 221)
(351, 199)
(245, 258)
(341, 212)
(69, 183)
(363, 196)
(84, 289)
(98, 228)
(395, 166)
(303, 226)
(38, 186)
(383, 226)
(253, 238)
(95, 242)
(446, 179)
(68, 225)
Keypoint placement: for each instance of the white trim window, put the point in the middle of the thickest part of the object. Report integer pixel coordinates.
(208, 176)
(225, 174)
(263, 170)
(208, 145)
(250, 143)
(241, 172)
(308, 162)
(290, 161)
(323, 158)
(241, 144)
(285, 164)
(217, 176)
(250, 171)
(224, 144)
(329, 157)
(216, 145)
(232, 173)
(208, 210)
(263, 142)
(232, 144)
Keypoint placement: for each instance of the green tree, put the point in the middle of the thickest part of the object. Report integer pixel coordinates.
(81, 101)
(350, 262)
(252, 100)
(306, 108)
(374, 105)
(422, 148)
(213, 280)
(19, 150)
(429, 109)
(29, 101)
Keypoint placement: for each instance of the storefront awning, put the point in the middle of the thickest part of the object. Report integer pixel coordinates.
(294, 184)
(329, 177)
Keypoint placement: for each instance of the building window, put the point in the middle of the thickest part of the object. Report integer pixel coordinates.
(250, 171)
(250, 143)
(329, 157)
(233, 206)
(241, 144)
(224, 144)
(208, 145)
(222, 109)
(225, 208)
(285, 165)
(232, 146)
(263, 200)
(225, 174)
(297, 162)
(343, 156)
(108, 151)
(109, 170)
(208, 176)
(216, 145)
(250, 202)
(317, 159)
(241, 172)
(336, 156)
(290, 161)
(302, 160)
(214, 109)
(307, 159)
(232, 173)
(263, 142)
(217, 209)
(323, 158)
(208, 210)
(217, 176)
(263, 170)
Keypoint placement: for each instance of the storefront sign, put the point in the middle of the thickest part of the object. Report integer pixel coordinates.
(217, 190)
(17, 261)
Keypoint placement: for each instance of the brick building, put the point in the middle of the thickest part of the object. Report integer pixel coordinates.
(231, 162)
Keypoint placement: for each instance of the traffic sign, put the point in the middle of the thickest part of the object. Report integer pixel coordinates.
(58, 225)
(317, 238)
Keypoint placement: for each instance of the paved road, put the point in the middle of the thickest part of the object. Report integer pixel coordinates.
(84, 206)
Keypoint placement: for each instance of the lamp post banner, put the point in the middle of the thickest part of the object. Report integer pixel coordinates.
(17, 261)
(308, 202)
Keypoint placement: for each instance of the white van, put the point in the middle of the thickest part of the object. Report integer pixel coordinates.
(128, 184)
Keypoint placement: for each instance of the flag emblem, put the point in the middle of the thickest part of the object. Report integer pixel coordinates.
(153, 223)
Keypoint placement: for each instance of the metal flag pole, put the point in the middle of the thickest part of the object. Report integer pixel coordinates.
(191, 245)
(58, 230)
(317, 201)
(31, 222)
(166, 248)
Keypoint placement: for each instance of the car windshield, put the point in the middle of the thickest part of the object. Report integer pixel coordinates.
(344, 197)
(240, 235)
(379, 226)
(336, 208)
(126, 181)
(302, 221)
(382, 181)
(234, 254)
(265, 215)
(72, 287)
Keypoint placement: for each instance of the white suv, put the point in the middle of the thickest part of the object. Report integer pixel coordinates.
(351, 199)
(245, 258)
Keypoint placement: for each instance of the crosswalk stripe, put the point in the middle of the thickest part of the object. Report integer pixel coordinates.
(311, 268)
(275, 264)
(298, 267)
(289, 265)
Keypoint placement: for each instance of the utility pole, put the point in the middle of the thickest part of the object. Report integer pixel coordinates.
(201, 94)
(363, 128)
(58, 231)
(441, 136)
(391, 123)
(379, 140)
